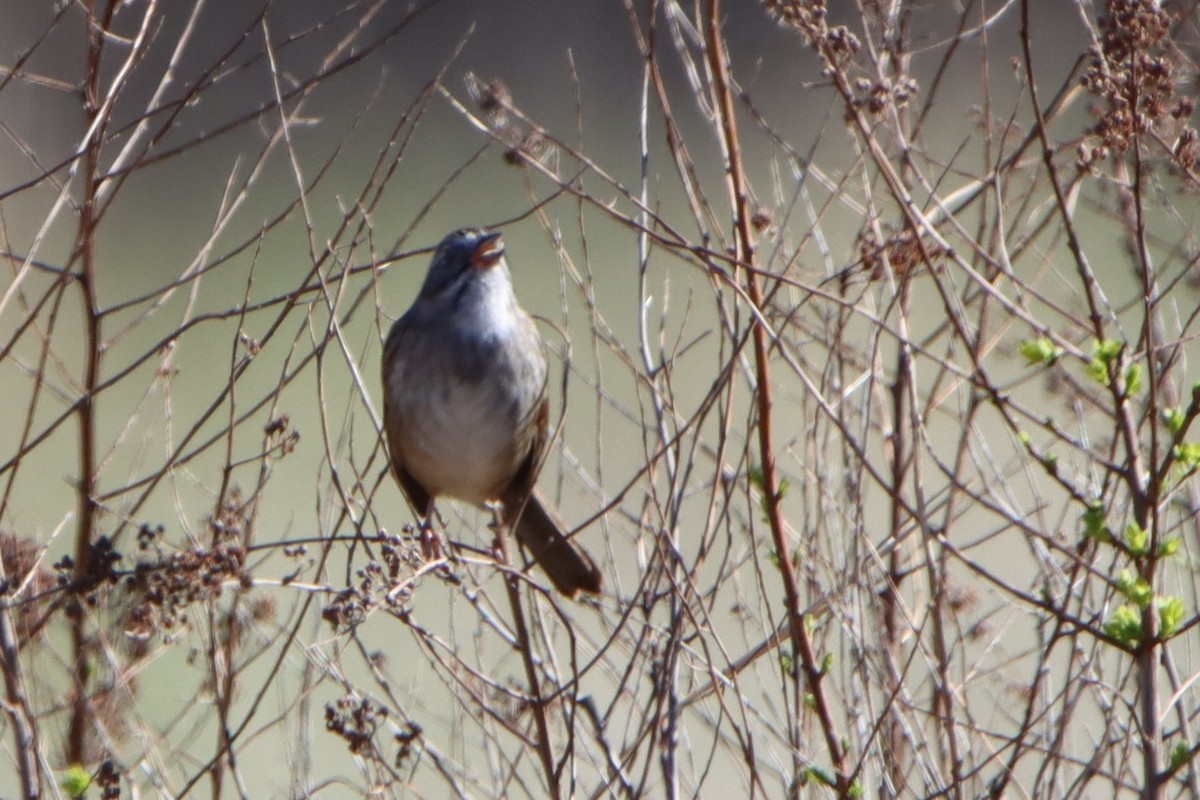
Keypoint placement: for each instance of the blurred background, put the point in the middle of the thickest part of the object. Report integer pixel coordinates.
(211, 213)
(574, 69)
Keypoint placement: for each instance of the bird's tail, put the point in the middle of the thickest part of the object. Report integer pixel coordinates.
(569, 567)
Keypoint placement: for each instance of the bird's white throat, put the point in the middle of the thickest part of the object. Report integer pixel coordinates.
(489, 308)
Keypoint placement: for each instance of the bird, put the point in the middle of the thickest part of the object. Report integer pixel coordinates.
(466, 408)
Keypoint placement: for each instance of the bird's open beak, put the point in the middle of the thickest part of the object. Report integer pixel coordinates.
(488, 252)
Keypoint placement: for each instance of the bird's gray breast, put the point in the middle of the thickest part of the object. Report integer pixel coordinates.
(462, 392)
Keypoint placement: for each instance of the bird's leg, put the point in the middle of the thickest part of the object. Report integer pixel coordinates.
(496, 509)
(430, 540)
(499, 551)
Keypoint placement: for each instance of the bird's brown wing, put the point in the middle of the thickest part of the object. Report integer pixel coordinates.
(532, 442)
(417, 495)
(539, 530)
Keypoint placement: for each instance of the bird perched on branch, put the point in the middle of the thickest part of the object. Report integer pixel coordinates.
(465, 404)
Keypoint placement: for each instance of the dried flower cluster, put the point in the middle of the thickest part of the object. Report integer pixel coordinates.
(100, 569)
(286, 437)
(494, 99)
(376, 581)
(108, 780)
(407, 739)
(351, 605)
(876, 96)
(165, 586)
(837, 46)
(23, 582)
(356, 721)
(899, 252)
(1133, 70)
(810, 17)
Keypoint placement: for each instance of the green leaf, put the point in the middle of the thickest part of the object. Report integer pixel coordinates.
(1135, 588)
(1125, 626)
(1106, 350)
(76, 780)
(758, 481)
(1040, 351)
(762, 500)
(1187, 454)
(826, 663)
(1179, 756)
(1174, 418)
(1133, 380)
(1097, 370)
(1104, 353)
(755, 474)
(1170, 615)
(1169, 547)
(1138, 540)
(1094, 526)
(818, 775)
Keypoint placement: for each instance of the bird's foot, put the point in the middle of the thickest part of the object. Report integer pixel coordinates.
(430, 541)
(496, 509)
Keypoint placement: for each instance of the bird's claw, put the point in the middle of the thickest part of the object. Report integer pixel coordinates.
(430, 542)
